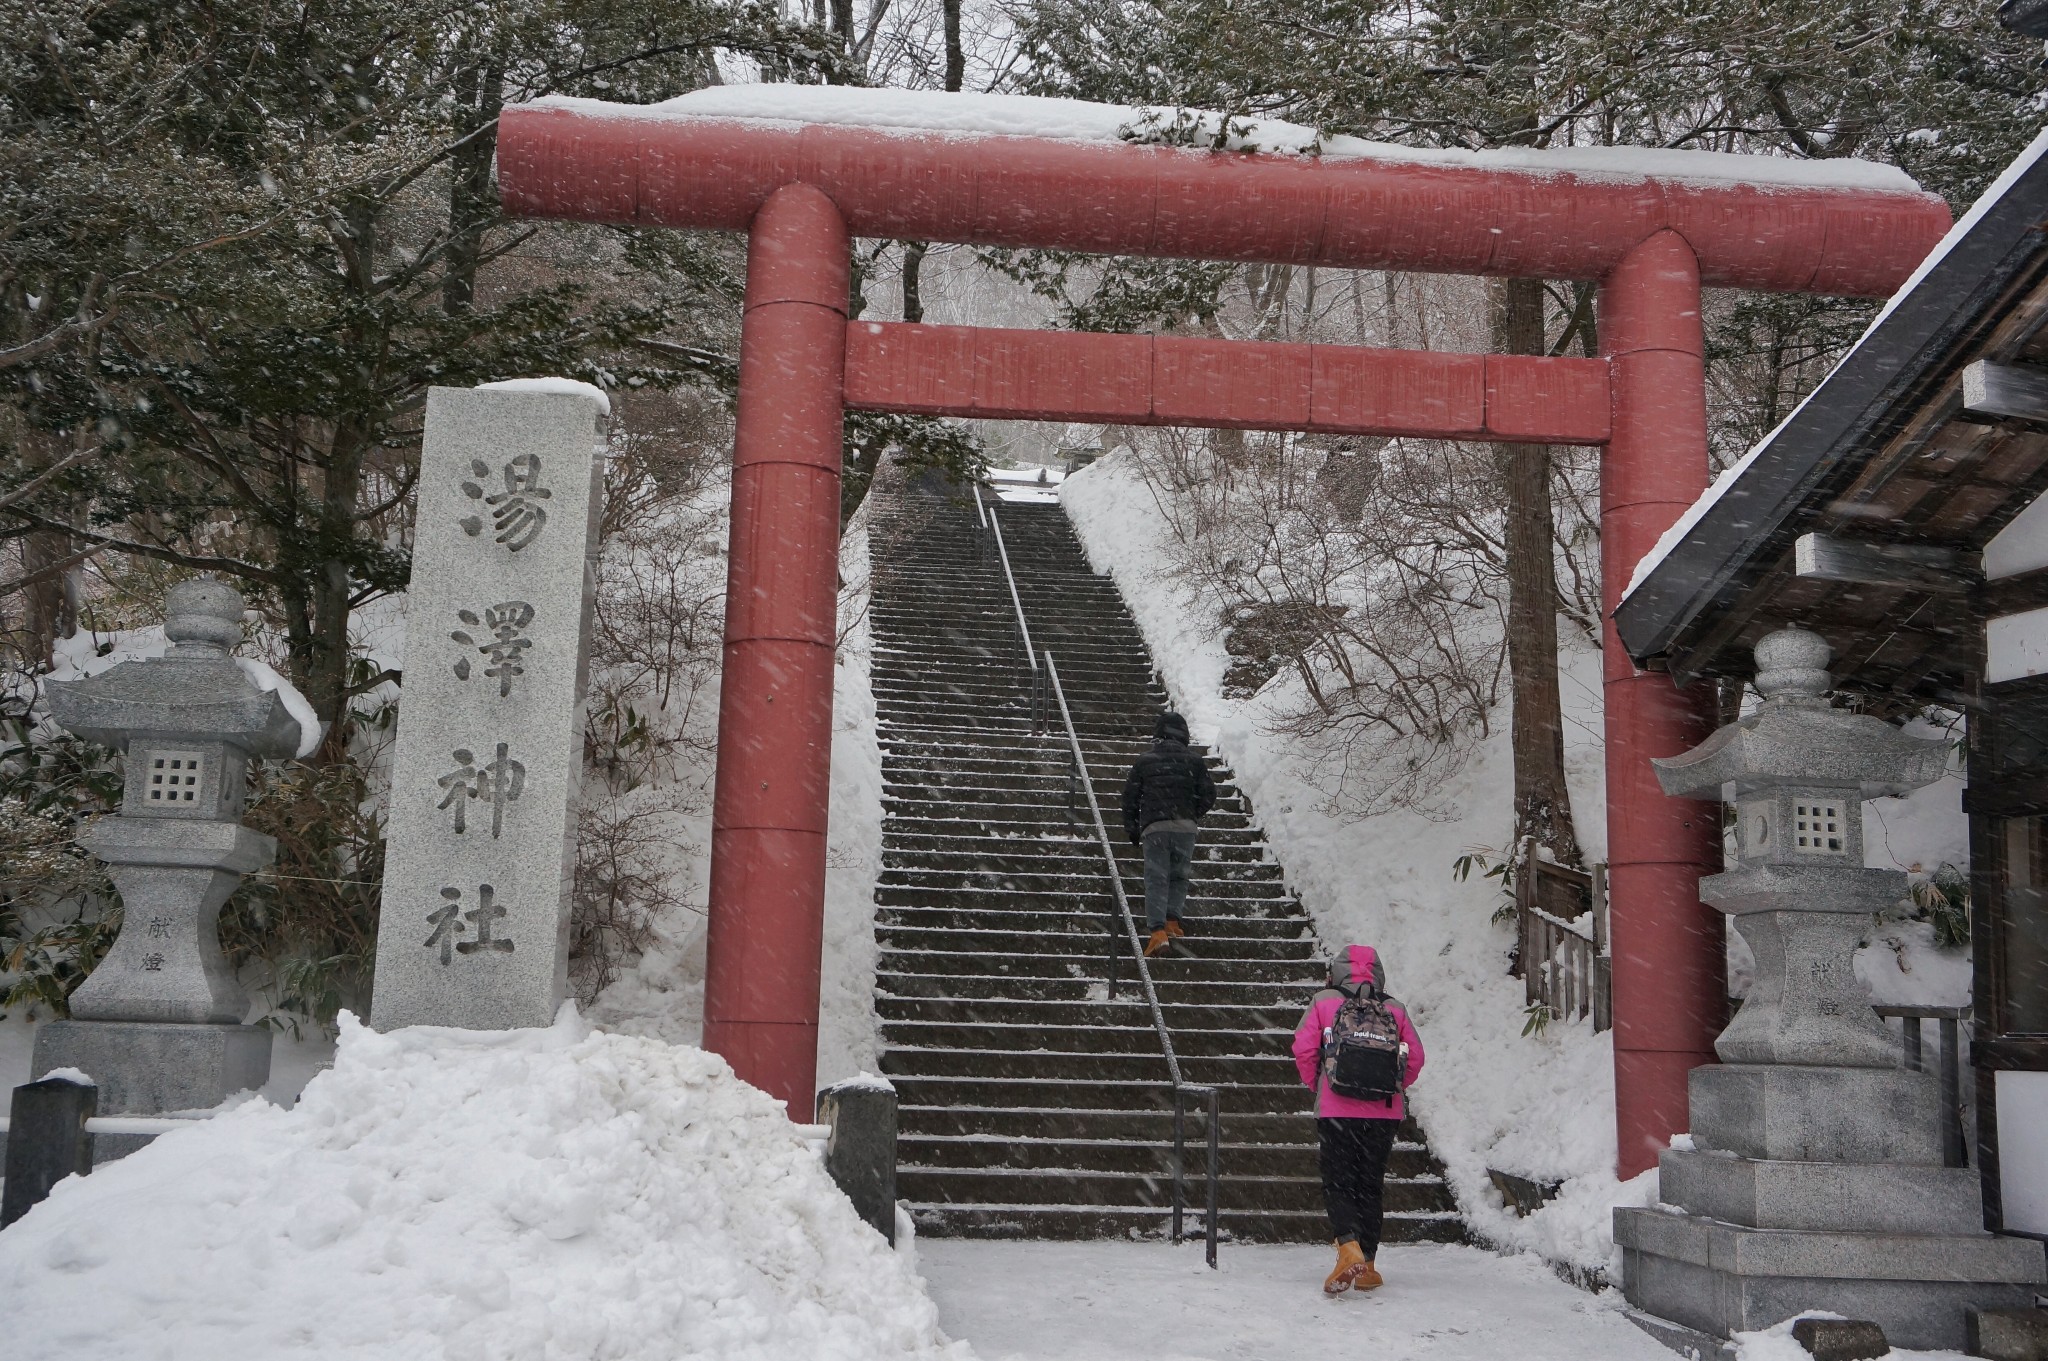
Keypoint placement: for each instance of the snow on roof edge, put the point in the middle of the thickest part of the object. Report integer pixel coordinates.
(1711, 497)
(929, 113)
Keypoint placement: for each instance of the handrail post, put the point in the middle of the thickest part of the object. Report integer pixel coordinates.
(1910, 1043)
(1180, 1131)
(1213, 1226)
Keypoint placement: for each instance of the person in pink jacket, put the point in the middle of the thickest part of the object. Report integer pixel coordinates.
(1357, 1136)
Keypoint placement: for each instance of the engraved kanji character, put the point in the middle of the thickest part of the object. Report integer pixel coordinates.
(501, 781)
(506, 640)
(444, 923)
(483, 914)
(153, 963)
(516, 512)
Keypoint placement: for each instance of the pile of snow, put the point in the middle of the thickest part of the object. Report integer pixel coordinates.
(924, 112)
(547, 1193)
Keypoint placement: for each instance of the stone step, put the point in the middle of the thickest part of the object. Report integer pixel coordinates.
(1025, 793)
(1087, 1095)
(1068, 848)
(1150, 1123)
(1093, 905)
(1235, 1191)
(1083, 1223)
(1237, 843)
(1090, 926)
(1275, 1016)
(1408, 1161)
(1074, 856)
(1168, 971)
(1275, 1068)
(1239, 881)
(937, 816)
(992, 940)
(1138, 1038)
(1044, 778)
(1086, 982)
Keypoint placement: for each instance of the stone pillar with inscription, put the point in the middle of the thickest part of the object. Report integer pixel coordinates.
(479, 852)
(1815, 1176)
(158, 1025)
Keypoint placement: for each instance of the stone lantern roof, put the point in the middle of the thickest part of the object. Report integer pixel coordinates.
(194, 692)
(1797, 738)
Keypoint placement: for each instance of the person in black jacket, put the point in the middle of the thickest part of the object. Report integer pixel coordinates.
(1167, 791)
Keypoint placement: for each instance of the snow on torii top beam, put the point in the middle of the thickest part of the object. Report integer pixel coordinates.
(1011, 171)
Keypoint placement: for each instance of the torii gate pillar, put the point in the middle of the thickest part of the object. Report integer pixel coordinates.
(1670, 985)
(781, 622)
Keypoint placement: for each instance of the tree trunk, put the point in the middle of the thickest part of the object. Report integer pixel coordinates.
(913, 285)
(51, 599)
(956, 54)
(1543, 804)
(913, 251)
(472, 206)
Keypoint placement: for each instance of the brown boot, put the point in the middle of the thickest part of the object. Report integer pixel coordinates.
(1173, 928)
(1159, 941)
(1351, 1265)
(1369, 1279)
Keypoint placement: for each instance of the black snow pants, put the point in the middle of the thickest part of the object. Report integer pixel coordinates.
(1354, 1160)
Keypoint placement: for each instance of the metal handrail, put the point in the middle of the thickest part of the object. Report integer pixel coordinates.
(1182, 1090)
(1036, 683)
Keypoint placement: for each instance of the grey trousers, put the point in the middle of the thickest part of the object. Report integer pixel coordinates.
(1167, 857)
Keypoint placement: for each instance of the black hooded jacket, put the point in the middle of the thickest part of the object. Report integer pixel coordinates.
(1168, 781)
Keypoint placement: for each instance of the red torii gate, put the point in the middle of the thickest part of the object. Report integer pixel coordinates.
(802, 191)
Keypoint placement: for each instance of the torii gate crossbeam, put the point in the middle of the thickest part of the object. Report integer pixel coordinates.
(802, 191)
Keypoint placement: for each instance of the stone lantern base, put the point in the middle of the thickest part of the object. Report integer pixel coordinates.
(157, 1067)
(1819, 1188)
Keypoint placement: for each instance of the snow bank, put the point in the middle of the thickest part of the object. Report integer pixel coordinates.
(570, 387)
(927, 112)
(849, 1032)
(549, 1193)
(1541, 1106)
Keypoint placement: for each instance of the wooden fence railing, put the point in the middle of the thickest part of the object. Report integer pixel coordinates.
(1561, 921)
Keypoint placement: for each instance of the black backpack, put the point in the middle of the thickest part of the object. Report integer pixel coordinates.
(1364, 1057)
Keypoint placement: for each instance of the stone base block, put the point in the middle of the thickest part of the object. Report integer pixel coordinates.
(1690, 1343)
(1798, 1114)
(2009, 1334)
(1724, 1278)
(155, 1068)
(1859, 1197)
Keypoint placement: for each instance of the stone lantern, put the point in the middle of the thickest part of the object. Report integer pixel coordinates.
(1815, 1179)
(158, 1024)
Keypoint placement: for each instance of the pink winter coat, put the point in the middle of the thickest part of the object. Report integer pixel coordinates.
(1308, 1042)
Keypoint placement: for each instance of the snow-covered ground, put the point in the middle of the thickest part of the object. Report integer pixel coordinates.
(1115, 1301)
(439, 1194)
(1150, 1302)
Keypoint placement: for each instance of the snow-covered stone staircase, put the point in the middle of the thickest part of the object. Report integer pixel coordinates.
(1033, 1106)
